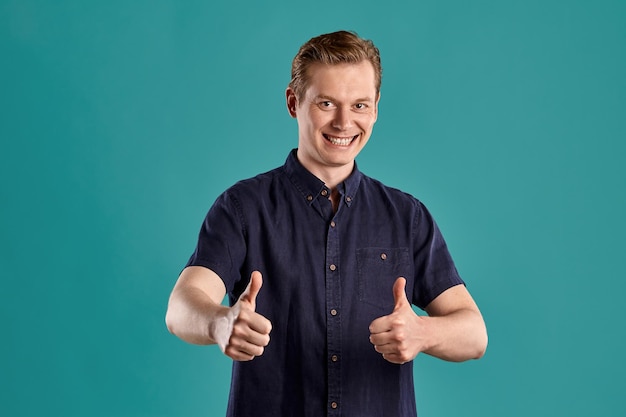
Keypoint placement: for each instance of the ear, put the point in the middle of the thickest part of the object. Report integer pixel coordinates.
(292, 102)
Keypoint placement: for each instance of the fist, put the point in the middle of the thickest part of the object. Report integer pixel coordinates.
(397, 336)
(242, 333)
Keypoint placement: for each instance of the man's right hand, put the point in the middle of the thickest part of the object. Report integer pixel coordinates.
(241, 332)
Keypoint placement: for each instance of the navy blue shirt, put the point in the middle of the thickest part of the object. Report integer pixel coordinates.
(326, 276)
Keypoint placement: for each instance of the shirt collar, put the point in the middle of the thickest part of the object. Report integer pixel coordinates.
(312, 187)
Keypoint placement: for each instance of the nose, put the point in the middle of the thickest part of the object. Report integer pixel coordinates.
(342, 119)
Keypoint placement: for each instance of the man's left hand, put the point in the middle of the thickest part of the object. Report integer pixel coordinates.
(401, 335)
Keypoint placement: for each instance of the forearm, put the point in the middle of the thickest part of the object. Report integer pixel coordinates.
(191, 315)
(195, 314)
(456, 337)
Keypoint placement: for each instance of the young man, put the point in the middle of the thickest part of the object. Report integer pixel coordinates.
(322, 263)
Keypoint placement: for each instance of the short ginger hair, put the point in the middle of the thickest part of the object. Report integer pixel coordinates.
(334, 48)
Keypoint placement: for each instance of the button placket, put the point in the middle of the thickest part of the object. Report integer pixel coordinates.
(333, 318)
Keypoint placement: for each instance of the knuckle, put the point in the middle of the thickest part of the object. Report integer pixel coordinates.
(238, 331)
(404, 354)
(244, 314)
(397, 322)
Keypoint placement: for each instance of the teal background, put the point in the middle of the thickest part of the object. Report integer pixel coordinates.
(120, 122)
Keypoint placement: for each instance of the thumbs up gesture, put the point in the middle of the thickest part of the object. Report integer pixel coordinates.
(400, 336)
(242, 333)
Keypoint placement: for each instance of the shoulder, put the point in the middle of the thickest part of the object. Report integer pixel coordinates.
(395, 203)
(375, 189)
(246, 198)
(256, 186)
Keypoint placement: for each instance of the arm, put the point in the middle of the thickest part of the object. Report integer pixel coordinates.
(456, 327)
(453, 331)
(194, 314)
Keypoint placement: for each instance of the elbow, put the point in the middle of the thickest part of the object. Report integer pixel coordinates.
(481, 345)
(475, 345)
(480, 352)
(169, 322)
(170, 319)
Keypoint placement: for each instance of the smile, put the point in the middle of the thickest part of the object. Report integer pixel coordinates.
(340, 141)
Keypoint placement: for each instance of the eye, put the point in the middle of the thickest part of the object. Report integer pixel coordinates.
(326, 104)
(360, 106)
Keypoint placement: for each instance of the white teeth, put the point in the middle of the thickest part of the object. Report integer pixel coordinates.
(340, 141)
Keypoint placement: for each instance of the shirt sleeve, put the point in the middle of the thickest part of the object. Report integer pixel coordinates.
(435, 271)
(221, 241)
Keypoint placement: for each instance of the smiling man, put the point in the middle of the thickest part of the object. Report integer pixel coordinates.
(322, 264)
(335, 114)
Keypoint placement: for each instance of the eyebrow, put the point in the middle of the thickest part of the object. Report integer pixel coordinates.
(329, 98)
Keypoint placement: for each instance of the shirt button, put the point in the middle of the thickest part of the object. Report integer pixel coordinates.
(332, 224)
(333, 312)
(348, 199)
(334, 358)
(332, 267)
(334, 405)
(383, 256)
(324, 193)
(309, 197)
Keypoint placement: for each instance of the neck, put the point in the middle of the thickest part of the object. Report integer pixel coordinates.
(334, 198)
(331, 176)
(332, 180)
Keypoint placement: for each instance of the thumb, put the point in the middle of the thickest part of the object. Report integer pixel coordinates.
(399, 295)
(253, 288)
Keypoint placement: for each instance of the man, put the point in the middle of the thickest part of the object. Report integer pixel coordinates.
(322, 263)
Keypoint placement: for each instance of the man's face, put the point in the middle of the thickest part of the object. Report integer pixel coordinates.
(335, 116)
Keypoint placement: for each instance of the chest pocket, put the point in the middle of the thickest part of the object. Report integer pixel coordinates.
(378, 269)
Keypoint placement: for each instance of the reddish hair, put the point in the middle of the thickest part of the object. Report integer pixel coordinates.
(340, 47)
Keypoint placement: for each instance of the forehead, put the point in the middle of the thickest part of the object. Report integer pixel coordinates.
(341, 80)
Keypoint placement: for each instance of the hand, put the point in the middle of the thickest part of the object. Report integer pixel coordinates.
(242, 333)
(399, 337)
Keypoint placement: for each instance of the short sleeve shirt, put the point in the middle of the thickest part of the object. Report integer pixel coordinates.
(326, 276)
